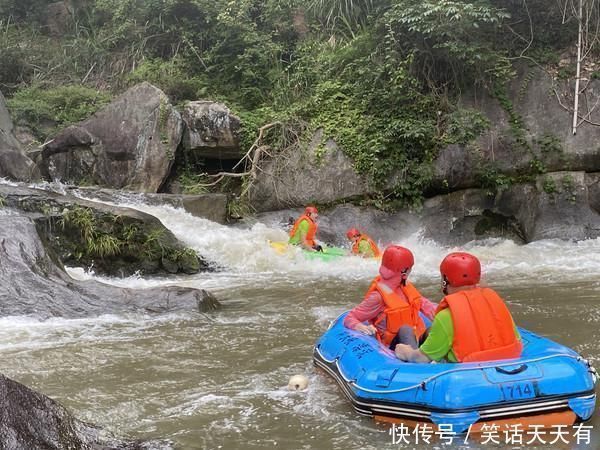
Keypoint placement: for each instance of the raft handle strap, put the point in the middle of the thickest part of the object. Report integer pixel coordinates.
(521, 368)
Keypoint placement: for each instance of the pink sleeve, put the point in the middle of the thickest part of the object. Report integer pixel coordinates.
(428, 307)
(365, 311)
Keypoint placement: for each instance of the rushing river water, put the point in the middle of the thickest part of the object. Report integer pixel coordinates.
(218, 380)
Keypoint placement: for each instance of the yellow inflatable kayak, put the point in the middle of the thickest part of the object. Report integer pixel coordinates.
(280, 247)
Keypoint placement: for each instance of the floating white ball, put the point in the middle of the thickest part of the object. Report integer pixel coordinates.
(298, 383)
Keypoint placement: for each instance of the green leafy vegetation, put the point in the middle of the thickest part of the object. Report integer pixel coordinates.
(565, 187)
(237, 208)
(568, 186)
(566, 72)
(170, 76)
(193, 183)
(549, 185)
(47, 109)
(550, 144)
(383, 78)
(516, 122)
(464, 126)
(94, 238)
(491, 178)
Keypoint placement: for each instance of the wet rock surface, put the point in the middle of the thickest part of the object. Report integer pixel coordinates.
(558, 205)
(14, 164)
(33, 283)
(30, 420)
(211, 131)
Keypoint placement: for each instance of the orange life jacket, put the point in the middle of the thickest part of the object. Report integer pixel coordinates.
(397, 311)
(312, 230)
(483, 327)
(376, 251)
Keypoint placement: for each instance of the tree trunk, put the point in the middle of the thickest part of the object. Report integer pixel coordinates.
(578, 73)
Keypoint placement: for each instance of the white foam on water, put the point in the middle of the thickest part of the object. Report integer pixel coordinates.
(52, 186)
(199, 402)
(7, 182)
(26, 333)
(324, 315)
(257, 395)
(245, 254)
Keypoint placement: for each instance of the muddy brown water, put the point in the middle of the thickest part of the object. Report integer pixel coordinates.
(218, 380)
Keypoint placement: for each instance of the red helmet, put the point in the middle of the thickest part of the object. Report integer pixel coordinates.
(352, 233)
(461, 269)
(310, 210)
(395, 260)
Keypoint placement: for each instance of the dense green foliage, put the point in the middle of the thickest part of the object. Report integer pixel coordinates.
(96, 239)
(379, 76)
(59, 106)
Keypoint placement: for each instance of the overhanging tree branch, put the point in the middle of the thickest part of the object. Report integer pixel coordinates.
(250, 161)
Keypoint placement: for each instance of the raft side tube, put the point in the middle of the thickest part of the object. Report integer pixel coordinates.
(379, 384)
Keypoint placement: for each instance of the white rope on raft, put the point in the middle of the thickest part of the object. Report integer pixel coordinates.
(433, 377)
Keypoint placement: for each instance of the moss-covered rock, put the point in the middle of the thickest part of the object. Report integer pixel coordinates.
(113, 240)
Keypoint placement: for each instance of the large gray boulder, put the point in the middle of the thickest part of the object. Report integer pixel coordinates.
(129, 144)
(467, 215)
(593, 186)
(14, 164)
(321, 173)
(30, 420)
(384, 228)
(35, 284)
(211, 206)
(549, 124)
(543, 140)
(557, 205)
(211, 131)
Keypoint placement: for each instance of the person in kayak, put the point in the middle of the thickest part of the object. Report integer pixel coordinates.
(304, 230)
(471, 323)
(362, 245)
(392, 307)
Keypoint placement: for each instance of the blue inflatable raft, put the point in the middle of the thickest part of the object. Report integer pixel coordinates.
(550, 384)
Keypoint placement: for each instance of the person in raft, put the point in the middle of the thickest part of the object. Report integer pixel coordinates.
(471, 323)
(304, 230)
(362, 245)
(392, 307)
